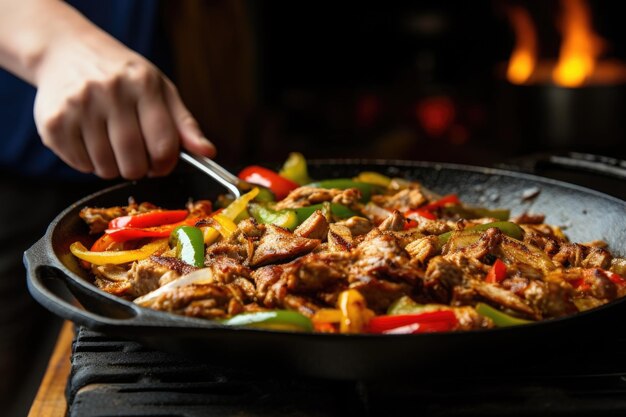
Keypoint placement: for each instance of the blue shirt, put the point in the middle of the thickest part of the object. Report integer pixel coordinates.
(133, 22)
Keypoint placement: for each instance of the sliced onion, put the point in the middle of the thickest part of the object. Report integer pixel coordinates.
(201, 276)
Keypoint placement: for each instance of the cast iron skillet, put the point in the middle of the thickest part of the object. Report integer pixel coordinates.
(585, 215)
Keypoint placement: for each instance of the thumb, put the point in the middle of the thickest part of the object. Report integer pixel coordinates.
(192, 138)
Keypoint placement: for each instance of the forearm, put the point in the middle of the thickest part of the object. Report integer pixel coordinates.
(30, 29)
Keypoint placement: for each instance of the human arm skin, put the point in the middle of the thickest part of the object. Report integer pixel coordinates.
(100, 106)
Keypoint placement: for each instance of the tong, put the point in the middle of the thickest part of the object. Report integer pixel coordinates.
(234, 184)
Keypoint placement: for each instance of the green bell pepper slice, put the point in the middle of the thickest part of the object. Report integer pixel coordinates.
(367, 189)
(478, 212)
(499, 318)
(189, 243)
(272, 320)
(286, 218)
(337, 210)
(508, 228)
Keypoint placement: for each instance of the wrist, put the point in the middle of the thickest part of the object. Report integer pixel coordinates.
(32, 30)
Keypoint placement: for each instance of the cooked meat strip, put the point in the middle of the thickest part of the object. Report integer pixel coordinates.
(469, 319)
(551, 299)
(526, 218)
(202, 300)
(597, 258)
(98, 218)
(315, 227)
(380, 293)
(278, 244)
(395, 222)
(131, 281)
(485, 245)
(227, 270)
(175, 264)
(422, 249)
(301, 304)
(429, 227)
(256, 244)
(308, 196)
(339, 238)
(503, 297)
(404, 200)
(357, 225)
(307, 275)
(380, 258)
(569, 254)
(549, 244)
(200, 208)
(440, 279)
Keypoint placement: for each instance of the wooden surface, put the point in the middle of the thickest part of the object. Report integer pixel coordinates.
(50, 399)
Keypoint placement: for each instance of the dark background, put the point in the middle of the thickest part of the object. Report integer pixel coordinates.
(421, 80)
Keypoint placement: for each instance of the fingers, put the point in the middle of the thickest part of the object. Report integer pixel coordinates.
(61, 133)
(191, 137)
(96, 139)
(130, 123)
(160, 133)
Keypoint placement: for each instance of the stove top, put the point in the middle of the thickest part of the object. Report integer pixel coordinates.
(117, 377)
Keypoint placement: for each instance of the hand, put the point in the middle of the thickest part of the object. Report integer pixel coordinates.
(102, 108)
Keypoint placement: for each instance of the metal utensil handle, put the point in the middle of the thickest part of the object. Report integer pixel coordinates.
(214, 170)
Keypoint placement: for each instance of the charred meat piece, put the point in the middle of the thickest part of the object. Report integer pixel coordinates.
(395, 222)
(358, 225)
(202, 300)
(339, 238)
(256, 244)
(404, 200)
(308, 275)
(422, 249)
(550, 298)
(441, 278)
(314, 227)
(278, 244)
(308, 196)
(381, 258)
(502, 297)
(98, 218)
(134, 280)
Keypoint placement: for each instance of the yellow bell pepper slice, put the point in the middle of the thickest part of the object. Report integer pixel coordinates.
(230, 212)
(354, 312)
(375, 178)
(224, 225)
(116, 257)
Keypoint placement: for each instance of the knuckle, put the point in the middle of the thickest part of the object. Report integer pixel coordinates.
(51, 128)
(143, 76)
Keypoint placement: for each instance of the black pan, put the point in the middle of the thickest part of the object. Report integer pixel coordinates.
(584, 214)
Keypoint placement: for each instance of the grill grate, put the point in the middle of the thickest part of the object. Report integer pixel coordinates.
(113, 377)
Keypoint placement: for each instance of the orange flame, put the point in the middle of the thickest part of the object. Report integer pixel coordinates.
(524, 56)
(580, 47)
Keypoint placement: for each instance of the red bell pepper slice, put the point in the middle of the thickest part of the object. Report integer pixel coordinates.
(149, 219)
(615, 278)
(497, 273)
(432, 321)
(450, 199)
(280, 186)
(131, 233)
(411, 223)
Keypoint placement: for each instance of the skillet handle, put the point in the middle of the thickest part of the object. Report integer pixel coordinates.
(54, 290)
